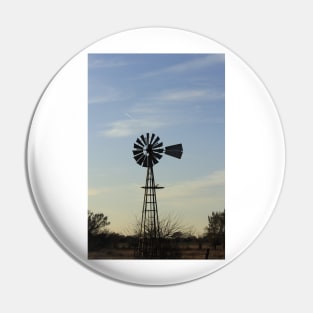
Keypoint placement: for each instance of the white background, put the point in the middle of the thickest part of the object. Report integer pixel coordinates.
(275, 273)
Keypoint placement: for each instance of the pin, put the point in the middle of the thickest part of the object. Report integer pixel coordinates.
(168, 221)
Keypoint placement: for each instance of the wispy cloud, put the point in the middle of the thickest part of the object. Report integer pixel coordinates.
(195, 64)
(195, 188)
(193, 200)
(108, 94)
(124, 128)
(101, 62)
(189, 95)
(98, 191)
(154, 111)
(147, 108)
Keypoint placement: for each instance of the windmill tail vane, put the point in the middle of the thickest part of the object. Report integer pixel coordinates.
(148, 150)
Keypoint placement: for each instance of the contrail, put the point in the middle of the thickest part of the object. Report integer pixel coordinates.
(129, 116)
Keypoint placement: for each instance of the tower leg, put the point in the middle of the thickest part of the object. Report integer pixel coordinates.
(149, 237)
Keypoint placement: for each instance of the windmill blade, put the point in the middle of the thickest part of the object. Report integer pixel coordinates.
(136, 152)
(155, 140)
(158, 150)
(152, 137)
(154, 160)
(143, 139)
(147, 142)
(157, 155)
(139, 158)
(138, 147)
(175, 151)
(145, 161)
(158, 145)
(141, 161)
(139, 142)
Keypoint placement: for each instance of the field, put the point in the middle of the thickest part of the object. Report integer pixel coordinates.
(179, 250)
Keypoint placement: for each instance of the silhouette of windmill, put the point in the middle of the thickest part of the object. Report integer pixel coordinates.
(148, 150)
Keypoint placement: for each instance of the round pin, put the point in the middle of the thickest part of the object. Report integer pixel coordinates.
(155, 156)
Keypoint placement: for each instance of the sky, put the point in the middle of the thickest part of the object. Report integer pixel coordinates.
(180, 98)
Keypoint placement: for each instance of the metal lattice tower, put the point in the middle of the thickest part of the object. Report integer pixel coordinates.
(147, 152)
(149, 228)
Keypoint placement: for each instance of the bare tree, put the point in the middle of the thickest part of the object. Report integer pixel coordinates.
(170, 226)
(97, 223)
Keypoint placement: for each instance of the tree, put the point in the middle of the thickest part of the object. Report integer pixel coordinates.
(171, 235)
(169, 227)
(97, 223)
(216, 228)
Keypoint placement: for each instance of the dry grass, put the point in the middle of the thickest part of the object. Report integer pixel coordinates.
(189, 250)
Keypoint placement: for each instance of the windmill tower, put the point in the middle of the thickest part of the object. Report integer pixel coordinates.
(147, 153)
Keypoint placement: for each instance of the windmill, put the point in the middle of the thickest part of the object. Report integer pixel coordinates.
(148, 150)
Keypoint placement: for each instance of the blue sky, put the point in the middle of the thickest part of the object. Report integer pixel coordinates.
(180, 98)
